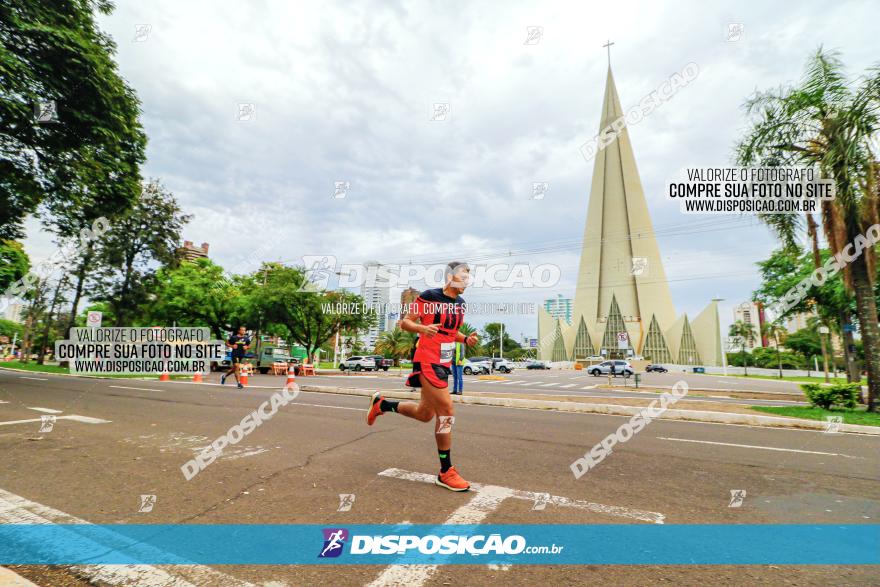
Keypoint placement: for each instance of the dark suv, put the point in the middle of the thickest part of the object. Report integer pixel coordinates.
(381, 362)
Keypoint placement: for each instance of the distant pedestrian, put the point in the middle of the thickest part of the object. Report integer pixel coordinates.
(458, 370)
(239, 343)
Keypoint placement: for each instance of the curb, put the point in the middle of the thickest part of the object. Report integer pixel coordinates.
(616, 410)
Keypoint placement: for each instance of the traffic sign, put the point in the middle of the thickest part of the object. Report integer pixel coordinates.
(622, 340)
(93, 319)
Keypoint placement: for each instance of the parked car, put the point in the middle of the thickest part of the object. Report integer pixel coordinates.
(476, 367)
(502, 365)
(381, 362)
(358, 363)
(537, 365)
(656, 369)
(620, 368)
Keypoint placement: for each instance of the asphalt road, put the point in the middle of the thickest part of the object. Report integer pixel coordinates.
(293, 468)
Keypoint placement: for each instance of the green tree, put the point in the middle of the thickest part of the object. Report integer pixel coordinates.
(146, 235)
(491, 342)
(308, 318)
(197, 293)
(805, 342)
(471, 351)
(742, 334)
(53, 53)
(396, 344)
(776, 332)
(827, 123)
(14, 263)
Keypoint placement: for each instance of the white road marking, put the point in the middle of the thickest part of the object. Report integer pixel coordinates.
(474, 511)
(74, 417)
(590, 386)
(46, 410)
(569, 385)
(612, 510)
(549, 384)
(137, 388)
(33, 378)
(811, 452)
(511, 383)
(15, 509)
(3, 401)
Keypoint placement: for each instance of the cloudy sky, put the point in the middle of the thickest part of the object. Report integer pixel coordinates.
(345, 92)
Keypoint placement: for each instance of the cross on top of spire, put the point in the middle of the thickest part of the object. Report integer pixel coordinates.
(608, 46)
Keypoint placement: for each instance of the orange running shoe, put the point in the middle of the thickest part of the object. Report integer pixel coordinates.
(374, 410)
(452, 480)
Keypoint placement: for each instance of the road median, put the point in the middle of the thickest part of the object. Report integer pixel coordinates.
(717, 417)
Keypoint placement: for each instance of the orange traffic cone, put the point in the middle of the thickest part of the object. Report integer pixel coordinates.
(197, 378)
(243, 374)
(165, 376)
(291, 378)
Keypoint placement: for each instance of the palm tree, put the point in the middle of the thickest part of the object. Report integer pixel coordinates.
(775, 331)
(744, 334)
(397, 343)
(831, 125)
(470, 351)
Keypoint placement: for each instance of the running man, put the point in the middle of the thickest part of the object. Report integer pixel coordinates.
(239, 343)
(436, 316)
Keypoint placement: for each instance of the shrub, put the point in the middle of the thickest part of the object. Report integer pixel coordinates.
(843, 395)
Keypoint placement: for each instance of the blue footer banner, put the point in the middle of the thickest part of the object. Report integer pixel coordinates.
(234, 544)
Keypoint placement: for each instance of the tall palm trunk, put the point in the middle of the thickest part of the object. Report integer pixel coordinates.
(867, 312)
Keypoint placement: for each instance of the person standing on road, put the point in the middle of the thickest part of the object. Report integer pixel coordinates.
(458, 370)
(239, 343)
(436, 316)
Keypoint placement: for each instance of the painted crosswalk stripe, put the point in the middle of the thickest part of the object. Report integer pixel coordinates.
(487, 499)
(590, 387)
(569, 385)
(809, 452)
(15, 509)
(549, 384)
(46, 410)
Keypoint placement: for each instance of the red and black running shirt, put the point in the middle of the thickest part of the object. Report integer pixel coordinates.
(434, 307)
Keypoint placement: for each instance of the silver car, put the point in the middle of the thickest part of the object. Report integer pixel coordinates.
(620, 368)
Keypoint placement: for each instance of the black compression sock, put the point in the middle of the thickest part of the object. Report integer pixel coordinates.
(445, 459)
(388, 405)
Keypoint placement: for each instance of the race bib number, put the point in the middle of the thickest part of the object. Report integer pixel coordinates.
(446, 350)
